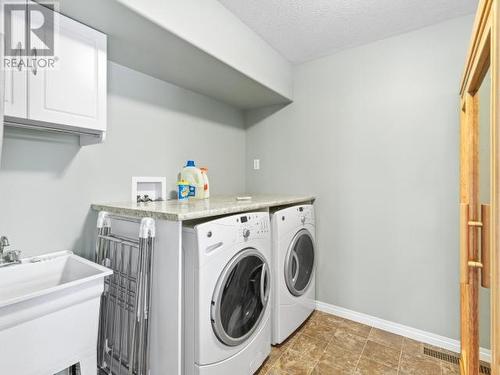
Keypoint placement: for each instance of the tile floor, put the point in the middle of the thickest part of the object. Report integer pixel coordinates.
(329, 345)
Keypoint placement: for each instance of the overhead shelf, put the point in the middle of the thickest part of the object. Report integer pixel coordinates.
(138, 42)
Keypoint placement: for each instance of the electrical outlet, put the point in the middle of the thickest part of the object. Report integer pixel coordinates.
(256, 164)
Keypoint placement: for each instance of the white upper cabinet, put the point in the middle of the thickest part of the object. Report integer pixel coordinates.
(16, 100)
(15, 94)
(70, 94)
(74, 91)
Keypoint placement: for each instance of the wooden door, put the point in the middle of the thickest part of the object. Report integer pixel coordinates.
(479, 193)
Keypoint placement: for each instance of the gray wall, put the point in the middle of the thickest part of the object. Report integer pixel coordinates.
(373, 133)
(47, 182)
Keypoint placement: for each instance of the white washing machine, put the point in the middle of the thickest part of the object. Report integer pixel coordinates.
(293, 269)
(227, 283)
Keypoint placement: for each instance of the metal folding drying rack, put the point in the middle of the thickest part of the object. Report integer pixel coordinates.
(123, 341)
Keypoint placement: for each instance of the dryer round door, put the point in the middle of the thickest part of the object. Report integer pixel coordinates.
(299, 263)
(240, 297)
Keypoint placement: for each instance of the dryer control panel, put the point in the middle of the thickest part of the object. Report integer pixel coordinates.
(253, 226)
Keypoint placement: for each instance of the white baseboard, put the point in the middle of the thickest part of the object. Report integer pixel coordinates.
(399, 329)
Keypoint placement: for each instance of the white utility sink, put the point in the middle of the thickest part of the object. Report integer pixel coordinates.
(49, 314)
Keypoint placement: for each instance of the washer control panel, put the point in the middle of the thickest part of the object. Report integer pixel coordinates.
(253, 225)
(306, 214)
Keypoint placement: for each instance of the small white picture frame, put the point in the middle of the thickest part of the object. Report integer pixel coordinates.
(154, 187)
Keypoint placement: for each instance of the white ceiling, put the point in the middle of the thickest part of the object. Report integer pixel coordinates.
(303, 30)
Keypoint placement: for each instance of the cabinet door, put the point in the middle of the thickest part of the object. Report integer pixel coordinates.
(72, 93)
(15, 94)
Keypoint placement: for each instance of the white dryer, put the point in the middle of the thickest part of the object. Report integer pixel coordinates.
(293, 268)
(227, 324)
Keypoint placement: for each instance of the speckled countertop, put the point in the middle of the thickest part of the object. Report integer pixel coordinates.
(197, 209)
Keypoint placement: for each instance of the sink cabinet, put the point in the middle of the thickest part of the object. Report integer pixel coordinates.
(71, 96)
(40, 301)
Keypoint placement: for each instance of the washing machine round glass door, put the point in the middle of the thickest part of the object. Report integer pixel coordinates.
(240, 297)
(299, 263)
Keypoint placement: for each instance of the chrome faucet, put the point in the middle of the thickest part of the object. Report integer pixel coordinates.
(9, 257)
(4, 242)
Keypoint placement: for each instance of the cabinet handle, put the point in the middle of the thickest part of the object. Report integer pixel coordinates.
(19, 47)
(483, 264)
(34, 70)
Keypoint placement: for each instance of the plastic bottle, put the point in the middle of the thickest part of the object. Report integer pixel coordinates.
(206, 187)
(195, 179)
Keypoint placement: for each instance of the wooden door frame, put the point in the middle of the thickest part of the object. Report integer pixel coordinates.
(484, 53)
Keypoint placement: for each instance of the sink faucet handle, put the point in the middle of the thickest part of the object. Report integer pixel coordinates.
(4, 242)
